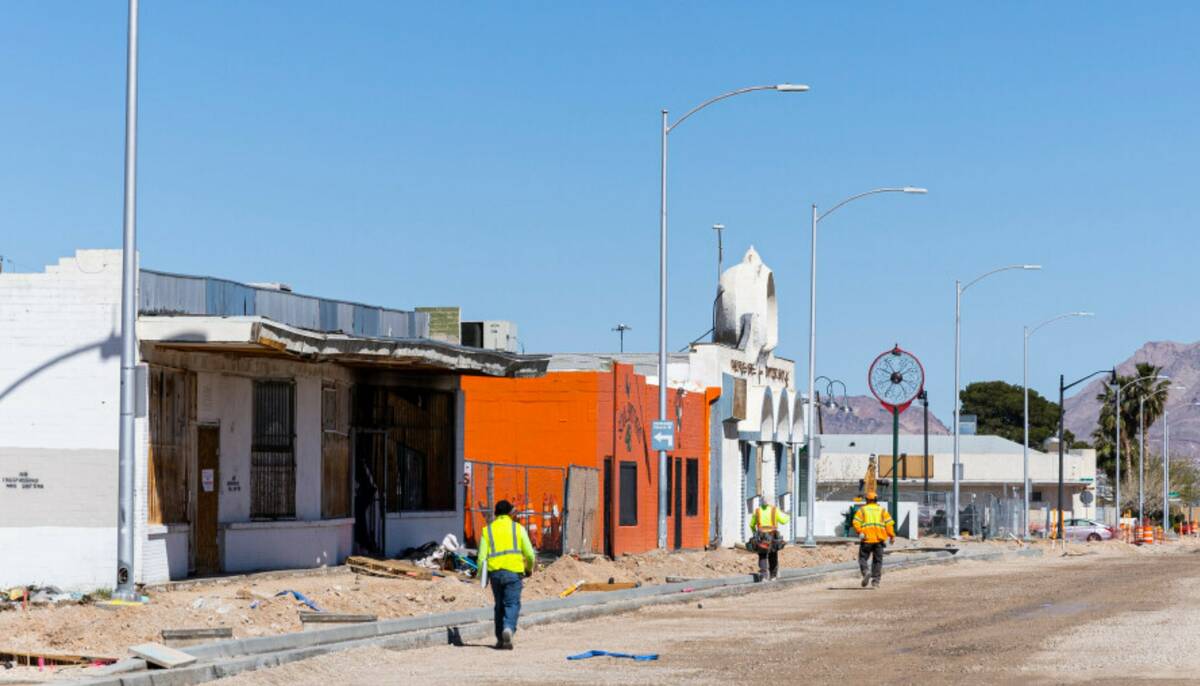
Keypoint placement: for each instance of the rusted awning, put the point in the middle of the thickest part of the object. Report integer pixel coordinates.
(259, 336)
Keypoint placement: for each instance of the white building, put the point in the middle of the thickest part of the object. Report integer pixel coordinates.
(274, 430)
(991, 466)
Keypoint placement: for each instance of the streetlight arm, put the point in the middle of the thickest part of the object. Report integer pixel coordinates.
(1051, 320)
(1157, 377)
(730, 94)
(981, 277)
(831, 210)
(1095, 373)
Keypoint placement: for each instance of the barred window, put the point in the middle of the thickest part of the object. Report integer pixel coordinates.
(273, 451)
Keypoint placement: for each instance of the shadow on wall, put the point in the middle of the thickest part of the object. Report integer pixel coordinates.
(108, 347)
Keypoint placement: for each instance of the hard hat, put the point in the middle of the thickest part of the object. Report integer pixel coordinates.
(872, 495)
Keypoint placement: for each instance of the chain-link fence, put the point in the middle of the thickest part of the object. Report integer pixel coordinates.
(536, 493)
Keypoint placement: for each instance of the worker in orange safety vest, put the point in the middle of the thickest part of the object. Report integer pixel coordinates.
(874, 525)
(765, 524)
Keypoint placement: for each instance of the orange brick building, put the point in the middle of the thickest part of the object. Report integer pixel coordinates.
(594, 419)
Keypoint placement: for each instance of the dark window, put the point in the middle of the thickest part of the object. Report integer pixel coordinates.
(671, 486)
(692, 496)
(628, 494)
(272, 451)
(1037, 497)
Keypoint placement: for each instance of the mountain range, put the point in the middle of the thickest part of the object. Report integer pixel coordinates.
(1180, 362)
(869, 417)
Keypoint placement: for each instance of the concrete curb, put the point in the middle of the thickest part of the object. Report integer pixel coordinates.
(227, 658)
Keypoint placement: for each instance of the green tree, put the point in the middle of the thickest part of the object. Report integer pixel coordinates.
(1154, 391)
(1000, 410)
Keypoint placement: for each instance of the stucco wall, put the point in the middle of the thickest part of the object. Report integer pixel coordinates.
(59, 382)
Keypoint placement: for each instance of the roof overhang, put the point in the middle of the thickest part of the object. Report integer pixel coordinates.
(259, 336)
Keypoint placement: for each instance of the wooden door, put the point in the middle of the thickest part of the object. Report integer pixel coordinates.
(208, 454)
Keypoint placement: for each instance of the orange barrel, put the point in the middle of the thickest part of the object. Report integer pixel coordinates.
(1147, 535)
(1160, 535)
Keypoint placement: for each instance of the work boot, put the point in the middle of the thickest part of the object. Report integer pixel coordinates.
(506, 639)
(875, 585)
(866, 579)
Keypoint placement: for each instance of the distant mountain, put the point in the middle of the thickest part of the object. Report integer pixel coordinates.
(1181, 362)
(869, 417)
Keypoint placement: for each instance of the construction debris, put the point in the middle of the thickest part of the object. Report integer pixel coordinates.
(161, 656)
(301, 598)
(36, 596)
(610, 586)
(33, 659)
(393, 569)
(181, 638)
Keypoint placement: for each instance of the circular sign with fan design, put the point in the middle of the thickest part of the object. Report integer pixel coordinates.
(896, 379)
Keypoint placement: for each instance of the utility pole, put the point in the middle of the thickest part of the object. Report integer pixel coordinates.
(621, 329)
(924, 397)
(126, 451)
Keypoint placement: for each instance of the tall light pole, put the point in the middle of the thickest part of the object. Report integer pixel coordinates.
(126, 449)
(1062, 423)
(1025, 392)
(959, 289)
(811, 499)
(1117, 410)
(1142, 447)
(621, 329)
(667, 128)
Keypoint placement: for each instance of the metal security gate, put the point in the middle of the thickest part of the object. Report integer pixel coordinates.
(272, 451)
(371, 473)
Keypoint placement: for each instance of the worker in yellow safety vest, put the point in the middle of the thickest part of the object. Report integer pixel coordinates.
(505, 555)
(874, 525)
(765, 524)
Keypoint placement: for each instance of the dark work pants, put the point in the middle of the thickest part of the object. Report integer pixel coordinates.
(872, 554)
(768, 564)
(506, 590)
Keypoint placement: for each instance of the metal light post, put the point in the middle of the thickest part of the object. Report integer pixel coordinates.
(959, 289)
(126, 448)
(924, 398)
(1025, 392)
(1166, 515)
(667, 128)
(810, 540)
(1062, 421)
(1142, 448)
(621, 329)
(1117, 410)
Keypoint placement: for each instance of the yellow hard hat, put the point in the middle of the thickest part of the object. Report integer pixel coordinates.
(872, 495)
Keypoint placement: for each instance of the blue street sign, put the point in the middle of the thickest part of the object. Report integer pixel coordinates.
(662, 435)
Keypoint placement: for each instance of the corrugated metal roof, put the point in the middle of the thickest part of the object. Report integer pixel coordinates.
(645, 364)
(162, 293)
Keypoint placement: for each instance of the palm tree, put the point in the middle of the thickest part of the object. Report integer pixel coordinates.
(1149, 387)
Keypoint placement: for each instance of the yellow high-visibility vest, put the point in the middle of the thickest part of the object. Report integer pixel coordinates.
(767, 520)
(503, 546)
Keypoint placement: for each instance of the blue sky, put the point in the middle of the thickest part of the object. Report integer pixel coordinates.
(504, 157)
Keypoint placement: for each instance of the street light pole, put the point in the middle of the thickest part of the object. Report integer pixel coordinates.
(126, 446)
(667, 127)
(959, 289)
(621, 329)
(1062, 421)
(810, 540)
(1025, 392)
(1166, 516)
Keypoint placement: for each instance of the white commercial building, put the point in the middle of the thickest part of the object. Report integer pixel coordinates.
(992, 467)
(274, 430)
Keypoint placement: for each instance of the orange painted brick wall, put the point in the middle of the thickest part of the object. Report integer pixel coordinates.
(582, 418)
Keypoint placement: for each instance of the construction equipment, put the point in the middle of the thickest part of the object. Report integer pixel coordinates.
(867, 484)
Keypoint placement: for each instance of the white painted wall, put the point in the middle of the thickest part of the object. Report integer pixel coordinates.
(59, 383)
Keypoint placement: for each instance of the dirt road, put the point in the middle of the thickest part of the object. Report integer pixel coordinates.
(1092, 617)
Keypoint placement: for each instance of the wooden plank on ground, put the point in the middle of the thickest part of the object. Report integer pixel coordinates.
(30, 658)
(394, 569)
(179, 638)
(616, 586)
(332, 618)
(162, 656)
